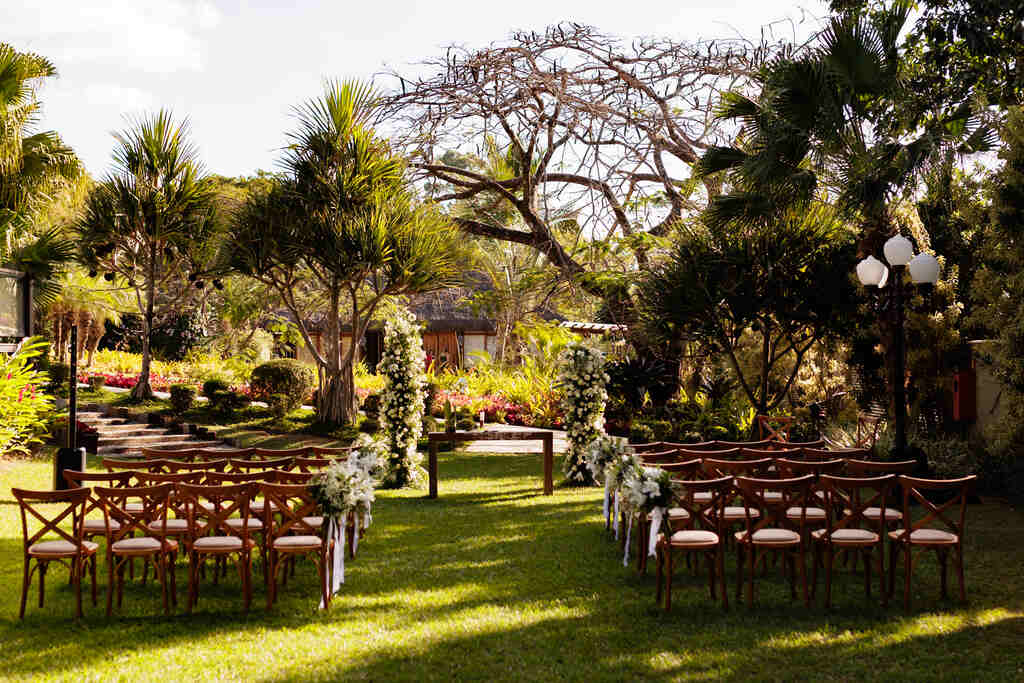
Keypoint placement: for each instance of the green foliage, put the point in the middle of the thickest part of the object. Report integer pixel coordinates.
(59, 373)
(97, 382)
(213, 385)
(279, 405)
(227, 403)
(285, 376)
(23, 404)
(182, 397)
(465, 424)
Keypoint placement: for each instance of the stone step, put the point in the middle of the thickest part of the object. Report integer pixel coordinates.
(173, 441)
(127, 430)
(153, 436)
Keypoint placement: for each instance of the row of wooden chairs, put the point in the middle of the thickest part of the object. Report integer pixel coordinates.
(216, 514)
(199, 454)
(671, 455)
(779, 515)
(717, 445)
(168, 465)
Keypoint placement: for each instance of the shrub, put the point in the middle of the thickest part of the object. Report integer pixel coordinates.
(182, 397)
(97, 382)
(369, 426)
(227, 402)
(466, 424)
(284, 376)
(278, 405)
(212, 386)
(371, 405)
(641, 432)
(59, 373)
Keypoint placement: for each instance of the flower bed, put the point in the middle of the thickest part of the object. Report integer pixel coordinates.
(499, 409)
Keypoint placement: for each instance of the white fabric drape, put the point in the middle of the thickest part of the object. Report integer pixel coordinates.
(336, 546)
(629, 533)
(606, 509)
(617, 520)
(657, 514)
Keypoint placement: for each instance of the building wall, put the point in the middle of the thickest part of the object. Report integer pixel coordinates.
(478, 341)
(990, 406)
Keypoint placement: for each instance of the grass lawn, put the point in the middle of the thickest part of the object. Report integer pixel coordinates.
(493, 581)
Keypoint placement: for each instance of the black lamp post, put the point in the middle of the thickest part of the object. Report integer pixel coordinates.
(71, 457)
(924, 270)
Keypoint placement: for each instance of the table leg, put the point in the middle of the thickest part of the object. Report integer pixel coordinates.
(549, 464)
(432, 470)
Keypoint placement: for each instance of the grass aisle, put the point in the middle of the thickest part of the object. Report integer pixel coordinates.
(493, 581)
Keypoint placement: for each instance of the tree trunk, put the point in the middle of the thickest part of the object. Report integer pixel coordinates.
(142, 389)
(766, 361)
(336, 404)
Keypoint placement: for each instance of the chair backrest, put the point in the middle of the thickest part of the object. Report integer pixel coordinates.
(281, 452)
(796, 468)
(715, 468)
(659, 457)
(868, 427)
(113, 464)
(688, 469)
(651, 447)
(154, 502)
(225, 502)
(867, 468)
(204, 466)
(763, 443)
(222, 453)
(853, 495)
(774, 427)
(314, 464)
(718, 454)
(254, 465)
(329, 451)
(155, 478)
(282, 477)
(694, 446)
(710, 513)
(294, 503)
(39, 506)
(759, 453)
(816, 443)
(814, 453)
(957, 490)
(170, 453)
(220, 478)
(794, 493)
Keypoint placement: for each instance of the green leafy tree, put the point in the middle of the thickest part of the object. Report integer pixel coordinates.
(784, 282)
(152, 223)
(23, 404)
(339, 233)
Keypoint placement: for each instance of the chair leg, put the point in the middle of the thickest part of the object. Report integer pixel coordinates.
(660, 573)
(247, 580)
(739, 572)
(111, 580)
(720, 555)
(803, 575)
(814, 569)
(271, 579)
(668, 579)
(25, 578)
(711, 573)
(893, 550)
(753, 572)
(77, 570)
(867, 573)
(908, 559)
(322, 566)
(42, 581)
(92, 572)
(160, 569)
(882, 574)
(193, 581)
(173, 560)
(830, 558)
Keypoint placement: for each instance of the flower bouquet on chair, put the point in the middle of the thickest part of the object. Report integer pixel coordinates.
(648, 490)
(600, 456)
(343, 490)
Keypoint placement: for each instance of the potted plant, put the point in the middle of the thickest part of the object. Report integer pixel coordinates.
(86, 435)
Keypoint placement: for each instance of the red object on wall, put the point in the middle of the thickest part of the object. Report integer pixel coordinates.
(965, 401)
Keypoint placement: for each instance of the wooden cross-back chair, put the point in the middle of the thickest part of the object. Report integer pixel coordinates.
(676, 516)
(719, 454)
(330, 451)
(120, 464)
(294, 535)
(799, 445)
(761, 453)
(152, 545)
(177, 526)
(221, 453)
(926, 533)
(714, 468)
(774, 427)
(279, 453)
(95, 526)
(852, 530)
(769, 531)
(867, 468)
(219, 526)
(814, 511)
(708, 539)
(314, 464)
(240, 465)
(69, 548)
(763, 443)
(868, 427)
(183, 454)
(203, 467)
(283, 477)
(659, 457)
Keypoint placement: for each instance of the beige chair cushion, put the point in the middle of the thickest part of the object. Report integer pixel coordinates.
(702, 497)
(97, 526)
(813, 514)
(297, 542)
(314, 521)
(134, 507)
(221, 543)
(258, 506)
(60, 548)
(694, 538)
(144, 544)
(673, 513)
(927, 537)
(254, 524)
(891, 514)
(733, 513)
(174, 526)
(849, 536)
(771, 537)
(772, 496)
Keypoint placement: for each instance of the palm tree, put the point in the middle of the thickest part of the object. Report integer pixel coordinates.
(153, 223)
(34, 166)
(339, 233)
(88, 302)
(826, 126)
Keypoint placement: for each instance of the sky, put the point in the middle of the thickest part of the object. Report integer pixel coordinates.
(235, 68)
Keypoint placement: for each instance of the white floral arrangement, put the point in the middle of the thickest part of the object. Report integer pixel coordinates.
(644, 490)
(343, 487)
(367, 454)
(602, 453)
(583, 380)
(401, 405)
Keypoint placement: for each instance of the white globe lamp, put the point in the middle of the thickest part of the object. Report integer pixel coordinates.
(870, 271)
(924, 269)
(898, 250)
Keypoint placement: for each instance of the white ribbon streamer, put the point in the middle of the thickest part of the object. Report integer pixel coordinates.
(335, 531)
(356, 521)
(657, 514)
(606, 509)
(629, 532)
(617, 520)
